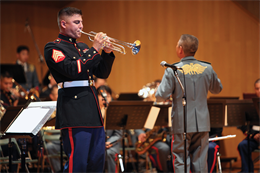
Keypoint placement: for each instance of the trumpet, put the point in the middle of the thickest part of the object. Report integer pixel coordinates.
(117, 44)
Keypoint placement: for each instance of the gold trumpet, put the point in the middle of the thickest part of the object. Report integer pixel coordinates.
(117, 44)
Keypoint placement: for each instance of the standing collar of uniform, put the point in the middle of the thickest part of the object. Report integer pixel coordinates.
(66, 38)
(188, 58)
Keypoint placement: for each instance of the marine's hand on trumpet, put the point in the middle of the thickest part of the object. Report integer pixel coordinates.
(98, 41)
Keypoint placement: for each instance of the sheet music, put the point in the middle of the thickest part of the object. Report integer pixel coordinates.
(27, 121)
(170, 116)
(152, 117)
(43, 104)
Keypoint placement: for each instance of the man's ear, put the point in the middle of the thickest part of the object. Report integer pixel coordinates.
(63, 23)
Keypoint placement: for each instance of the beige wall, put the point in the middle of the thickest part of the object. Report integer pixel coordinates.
(228, 36)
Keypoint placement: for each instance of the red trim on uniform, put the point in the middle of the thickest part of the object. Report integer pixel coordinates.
(72, 150)
(152, 159)
(99, 111)
(158, 158)
(77, 49)
(214, 161)
(67, 41)
(116, 158)
(79, 66)
(55, 41)
(88, 59)
(173, 159)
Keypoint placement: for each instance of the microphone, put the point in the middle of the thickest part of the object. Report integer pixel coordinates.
(164, 64)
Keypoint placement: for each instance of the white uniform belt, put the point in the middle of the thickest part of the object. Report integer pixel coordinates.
(78, 83)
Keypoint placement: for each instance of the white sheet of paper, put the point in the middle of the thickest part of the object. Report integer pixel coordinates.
(226, 123)
(152, 117)
(43, 104)
(27, 120)
(170, 116)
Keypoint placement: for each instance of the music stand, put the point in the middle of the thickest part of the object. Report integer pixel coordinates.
(224, 98)
(15, 70)
(37, 113)
(163, 118)
(256, 102)
(249, 95)
(129, 96)
(216, 109)
(125, 115)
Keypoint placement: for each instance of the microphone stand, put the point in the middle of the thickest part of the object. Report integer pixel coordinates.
(41, 59)
(184, 104)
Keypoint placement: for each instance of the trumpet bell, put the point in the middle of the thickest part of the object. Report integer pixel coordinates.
(136, 47)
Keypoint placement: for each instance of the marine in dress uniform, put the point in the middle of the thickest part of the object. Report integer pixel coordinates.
(200, 78)
(73, 65)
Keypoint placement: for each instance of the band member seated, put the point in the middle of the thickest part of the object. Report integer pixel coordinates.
(254, 140)
(159, 152)
(29, 69)
(113, 136)
(213, 148)
(9, 95)
(46, 91)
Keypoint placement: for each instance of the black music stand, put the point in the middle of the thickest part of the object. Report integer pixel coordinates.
(27, 123)
(163, 117)
(216, 109)
(125, 115)
(129, 96)
(240, 113)
(256, 102)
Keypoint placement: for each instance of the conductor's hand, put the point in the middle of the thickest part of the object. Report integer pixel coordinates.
(142, 137)
(108, 145)
(99, 40)
(257, 137)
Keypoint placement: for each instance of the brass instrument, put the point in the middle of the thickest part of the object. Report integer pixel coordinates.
(117, 44)
(25, 93)
(2, 109)
(148, 91)
(151, 137)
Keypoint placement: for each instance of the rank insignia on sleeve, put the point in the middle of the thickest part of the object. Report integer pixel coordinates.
(85, 50)
(57, 55)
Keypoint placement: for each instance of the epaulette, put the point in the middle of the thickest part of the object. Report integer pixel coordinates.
(57, 40)
(205, 62)
(175, 63)
(31, 67)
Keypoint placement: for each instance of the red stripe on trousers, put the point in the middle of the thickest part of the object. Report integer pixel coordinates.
(173, 159)
(72, 150)
(214, 161)
(158, 158)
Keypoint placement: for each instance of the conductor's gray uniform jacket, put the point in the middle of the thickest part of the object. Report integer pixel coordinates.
(200, 78)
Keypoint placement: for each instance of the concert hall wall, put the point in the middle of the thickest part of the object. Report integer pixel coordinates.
(228, 37)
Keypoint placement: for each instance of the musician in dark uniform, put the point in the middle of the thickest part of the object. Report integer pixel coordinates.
(73, 65)
(213, 148)
(253, 139)
(9, 95)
